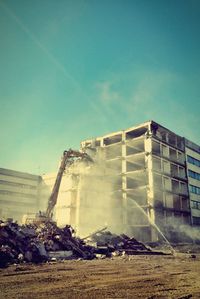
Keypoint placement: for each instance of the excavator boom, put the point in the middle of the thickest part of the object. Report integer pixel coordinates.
(67, 159)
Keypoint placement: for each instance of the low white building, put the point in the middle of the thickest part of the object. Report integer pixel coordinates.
(19, 194)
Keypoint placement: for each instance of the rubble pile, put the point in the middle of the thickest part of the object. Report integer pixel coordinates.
(36, 243)
(106, 241)
(42, 242)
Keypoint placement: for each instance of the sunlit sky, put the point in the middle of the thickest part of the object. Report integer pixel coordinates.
(76, 69)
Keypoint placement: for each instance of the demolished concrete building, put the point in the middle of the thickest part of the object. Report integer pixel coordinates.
(143, 176)
(152, 170)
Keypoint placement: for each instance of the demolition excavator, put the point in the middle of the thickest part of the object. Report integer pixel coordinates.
(68, 158)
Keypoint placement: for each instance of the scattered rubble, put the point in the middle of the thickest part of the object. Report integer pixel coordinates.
(36, 243)
(42, 242)
(108, 243)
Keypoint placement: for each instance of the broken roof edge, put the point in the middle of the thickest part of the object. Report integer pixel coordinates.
(190, 144)
(118, 132)
(163, 127)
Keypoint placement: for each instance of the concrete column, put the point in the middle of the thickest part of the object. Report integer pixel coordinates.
(150, 185)
(101, 142)
(77, 217)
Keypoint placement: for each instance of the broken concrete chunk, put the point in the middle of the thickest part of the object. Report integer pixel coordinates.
(61, 254)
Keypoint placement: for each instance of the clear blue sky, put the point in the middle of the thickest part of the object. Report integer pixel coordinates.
(76, 69)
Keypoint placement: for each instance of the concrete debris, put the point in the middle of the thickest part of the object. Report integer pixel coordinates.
(61, 254)
(111, 244)
(37, 243)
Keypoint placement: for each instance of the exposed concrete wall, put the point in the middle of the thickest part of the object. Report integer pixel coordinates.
(151, 162)
(124, 153)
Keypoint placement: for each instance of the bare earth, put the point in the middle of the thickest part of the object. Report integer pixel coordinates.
(120, 277)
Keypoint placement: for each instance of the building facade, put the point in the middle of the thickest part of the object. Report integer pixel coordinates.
(152, 187)
(192, 152)
(19, 194)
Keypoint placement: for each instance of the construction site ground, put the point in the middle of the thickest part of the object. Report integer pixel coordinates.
(139, 276)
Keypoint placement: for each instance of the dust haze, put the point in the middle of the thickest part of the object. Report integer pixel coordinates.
(99, 194)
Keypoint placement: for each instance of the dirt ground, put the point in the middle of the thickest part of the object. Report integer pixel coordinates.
(121, 277)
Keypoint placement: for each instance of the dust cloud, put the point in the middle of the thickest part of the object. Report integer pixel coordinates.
(99, 194)
(179, 232)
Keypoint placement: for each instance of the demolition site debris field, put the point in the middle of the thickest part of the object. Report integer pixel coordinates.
(146, 276)
(44, 261)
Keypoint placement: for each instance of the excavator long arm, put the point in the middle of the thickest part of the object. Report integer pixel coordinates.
(67, 159)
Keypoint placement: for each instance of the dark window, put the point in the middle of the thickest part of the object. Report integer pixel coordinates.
(176, 202)
(193, 161)
(195, 205)
(172, 154)
(194, 175)
(196, 220)
(175, 186)
(185, 203)
(194, 189)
